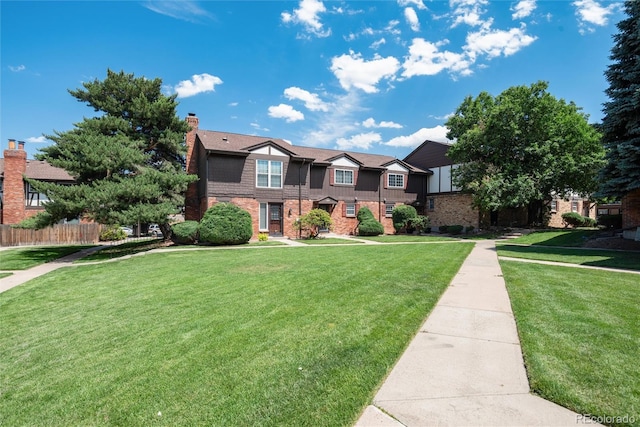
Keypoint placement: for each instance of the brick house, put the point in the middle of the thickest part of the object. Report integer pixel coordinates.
(277, 182)
(446, 204)
(17, 199)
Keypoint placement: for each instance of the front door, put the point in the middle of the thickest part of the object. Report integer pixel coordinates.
(275, 219)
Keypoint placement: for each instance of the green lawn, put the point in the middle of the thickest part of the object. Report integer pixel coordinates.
(284, 336)
(572, 237)
(406, 238)
(593, 257)
(23, 258)
(2, 275)
(580, 336)
(327, 241)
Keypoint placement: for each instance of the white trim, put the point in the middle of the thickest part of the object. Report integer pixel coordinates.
(404, 177)
(269, 173)
(343, 161)
(397, 167)
(335, 177)
(269, 151)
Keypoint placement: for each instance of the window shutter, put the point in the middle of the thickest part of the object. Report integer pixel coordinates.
(355, 177)
(385, 179)
(332, 174)
(406, 180)
(357, 208)
(344, 209)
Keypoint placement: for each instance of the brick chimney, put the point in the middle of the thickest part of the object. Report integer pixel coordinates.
(15, 166)
(192, 203)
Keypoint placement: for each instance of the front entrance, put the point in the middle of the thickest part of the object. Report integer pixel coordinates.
(275, 219)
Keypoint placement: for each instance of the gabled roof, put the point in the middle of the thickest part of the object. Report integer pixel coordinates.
(430, 154)
(38, 169)
(216, 141)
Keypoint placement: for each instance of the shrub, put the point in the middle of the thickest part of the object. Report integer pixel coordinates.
(468, 229)
(370, 227)
(420, 223)
(364, 213)
(443, 229)
(574, 219)
(112, 232)
(185, 233)
(37, 222)
(226, 224)
(263, 237)
(313, 221)
(455, 229)
(401, 215)
(610, 221)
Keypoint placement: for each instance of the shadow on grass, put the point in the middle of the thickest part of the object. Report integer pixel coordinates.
(23, 258)
(591, 257)
(569, 237)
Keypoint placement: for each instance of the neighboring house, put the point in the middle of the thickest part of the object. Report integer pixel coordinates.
(277, 182)
(17, 199)
(447, 205)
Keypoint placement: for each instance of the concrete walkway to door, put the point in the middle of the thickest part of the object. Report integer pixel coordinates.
(465, 366)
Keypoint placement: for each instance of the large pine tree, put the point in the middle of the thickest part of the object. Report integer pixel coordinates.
(621, 122)
(128, 160)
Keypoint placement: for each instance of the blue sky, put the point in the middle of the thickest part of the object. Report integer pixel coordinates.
(372, 76)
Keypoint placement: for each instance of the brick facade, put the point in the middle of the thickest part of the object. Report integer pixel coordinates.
(192, 211)
(15, 167)
(452, 209)
(631, 209)
(581, 206)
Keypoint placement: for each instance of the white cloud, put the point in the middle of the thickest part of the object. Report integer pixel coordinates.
(337, 123)
(284, 111)
(311, 100)
(468, 12)
(590, 12)
(361, 141)
(371, 123)
(307, 16)
(494, 43)
(438, 133)
(199, 83)
(17, 69)
(425, 58)
(185, 10)
(412, 18)
(233, 104)
(37, 140)
(353, 71)
(417, 3)
(391, 27)
(523, 9)
(375, 45)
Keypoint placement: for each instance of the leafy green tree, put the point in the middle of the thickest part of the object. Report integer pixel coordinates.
(621, 122)
(522, 146)
(313, 221)
(128, 160)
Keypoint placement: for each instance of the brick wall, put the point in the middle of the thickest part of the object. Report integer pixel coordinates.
(15, 166)
(564, 206)
(631, 209)
(452, 209)
(192, 211)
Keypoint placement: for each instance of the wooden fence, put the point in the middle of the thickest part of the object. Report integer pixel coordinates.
(61, 234)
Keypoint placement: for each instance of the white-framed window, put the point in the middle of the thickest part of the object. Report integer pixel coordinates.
(33, 197)
(431, 204)
(395, 180)
(350, 209)
(603, 211)
(343, 176)
(263, 225)
(388, 209)
(554, 205)
(268, 174)
(574, 206)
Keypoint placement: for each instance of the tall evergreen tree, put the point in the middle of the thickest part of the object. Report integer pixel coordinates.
(621, 122)
(522, 146)
(128, 160)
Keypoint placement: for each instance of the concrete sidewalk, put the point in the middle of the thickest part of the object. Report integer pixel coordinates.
(465, 366)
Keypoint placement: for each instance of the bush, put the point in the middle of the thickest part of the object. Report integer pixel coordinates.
(370, 227)
(420, 223)
(468, 229)
(263, 237)
(111, 233)
(37, 222)
(401, 215)
(226, 224)
(364, 213)
(574, 219)
(455, 229)
(313, 221)
(610, 221)
(185, 233)
(443, 229)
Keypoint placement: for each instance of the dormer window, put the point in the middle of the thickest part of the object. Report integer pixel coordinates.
(395, 180)
(343, 176)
